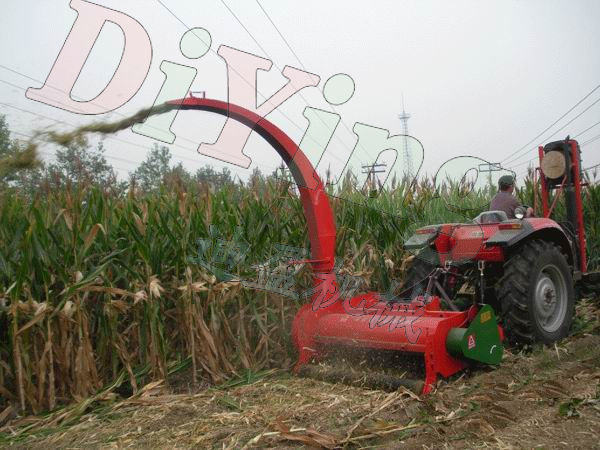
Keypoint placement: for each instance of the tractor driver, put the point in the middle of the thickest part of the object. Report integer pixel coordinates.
(504, 200)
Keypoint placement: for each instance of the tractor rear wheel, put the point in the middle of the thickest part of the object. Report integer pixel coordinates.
(416, 279)
(537, 294)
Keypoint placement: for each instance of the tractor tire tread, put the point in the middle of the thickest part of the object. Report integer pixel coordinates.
(415, 280)
(513, 290)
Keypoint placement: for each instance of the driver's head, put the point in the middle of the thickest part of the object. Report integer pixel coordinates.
(506, 183)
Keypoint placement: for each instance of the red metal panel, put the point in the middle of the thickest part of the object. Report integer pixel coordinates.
(579, 206)
(544, 185)
(423, 329)
(469, 241)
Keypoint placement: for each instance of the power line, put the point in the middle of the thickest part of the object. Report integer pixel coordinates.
(6, 105)
(300, 94)
(248, 32)
(264, 166)
(554, 123)
(586, 130)
(116, 158)
(589, 141)
(75, 126)
(248, 82)
(241, 77)
(590, 168)
(21, 134)
(595, 138)
(583, 170)
(562, 128)
(38, 81)
(281, 34)
(524, 162)
(329, 106)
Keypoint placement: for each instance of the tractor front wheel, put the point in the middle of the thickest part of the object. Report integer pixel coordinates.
(537, 294)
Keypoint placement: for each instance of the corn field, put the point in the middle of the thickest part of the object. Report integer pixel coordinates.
(98, 290)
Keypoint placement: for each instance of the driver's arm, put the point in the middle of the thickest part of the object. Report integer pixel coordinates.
(529, 210)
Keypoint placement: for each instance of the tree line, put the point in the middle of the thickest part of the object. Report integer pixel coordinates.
(82, 164)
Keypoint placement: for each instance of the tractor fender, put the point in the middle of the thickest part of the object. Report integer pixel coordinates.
(534, 228)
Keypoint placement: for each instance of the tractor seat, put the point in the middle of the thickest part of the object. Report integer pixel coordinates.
(490, 217)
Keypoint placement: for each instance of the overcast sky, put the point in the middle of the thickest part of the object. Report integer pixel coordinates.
(478, 78)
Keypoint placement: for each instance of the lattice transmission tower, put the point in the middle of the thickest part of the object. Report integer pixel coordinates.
(406, 156)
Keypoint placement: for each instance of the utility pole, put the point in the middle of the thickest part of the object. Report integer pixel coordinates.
(406, 157)
(489, 168)
(372, 171)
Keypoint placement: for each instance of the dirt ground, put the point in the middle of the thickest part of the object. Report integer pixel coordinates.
(546, 398)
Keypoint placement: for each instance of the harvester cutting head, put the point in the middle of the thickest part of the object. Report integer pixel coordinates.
(446, 339)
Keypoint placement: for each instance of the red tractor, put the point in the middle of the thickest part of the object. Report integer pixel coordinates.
(528, 269)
